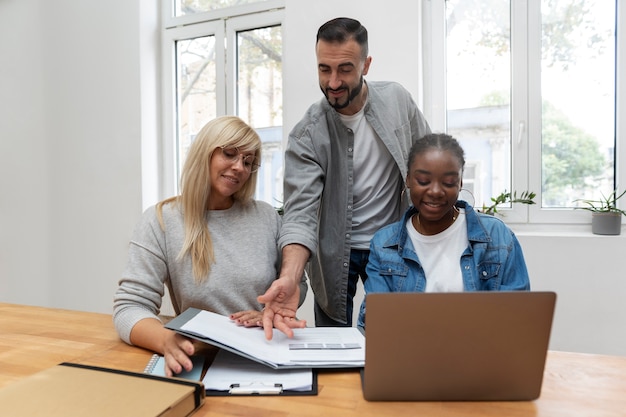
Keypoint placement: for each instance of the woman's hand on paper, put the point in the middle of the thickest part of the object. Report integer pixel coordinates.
(248, 318)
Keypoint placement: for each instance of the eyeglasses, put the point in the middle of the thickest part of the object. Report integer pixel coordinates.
(231, 154)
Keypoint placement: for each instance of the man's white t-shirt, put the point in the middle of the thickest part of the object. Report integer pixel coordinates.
(375, 183)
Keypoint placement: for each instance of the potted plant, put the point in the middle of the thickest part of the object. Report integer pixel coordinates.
(527, 197)
(606, 218)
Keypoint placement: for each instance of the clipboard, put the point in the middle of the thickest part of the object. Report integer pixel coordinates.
(231, 374)
(262, 388)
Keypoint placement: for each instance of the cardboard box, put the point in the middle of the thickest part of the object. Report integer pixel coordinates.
(69, 390)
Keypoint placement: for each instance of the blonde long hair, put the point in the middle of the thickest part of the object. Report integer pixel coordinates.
(224, 131)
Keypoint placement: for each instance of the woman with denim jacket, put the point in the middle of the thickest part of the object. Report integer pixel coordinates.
(442, 244)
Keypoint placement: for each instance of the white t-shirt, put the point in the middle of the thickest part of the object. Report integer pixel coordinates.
(440, 255)
(376, 182)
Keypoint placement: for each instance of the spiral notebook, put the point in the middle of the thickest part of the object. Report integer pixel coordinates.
(156, 366)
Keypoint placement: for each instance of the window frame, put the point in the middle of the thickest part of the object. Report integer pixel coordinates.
(170, 179)
(224, 25)
(233, 26)
(525, 107)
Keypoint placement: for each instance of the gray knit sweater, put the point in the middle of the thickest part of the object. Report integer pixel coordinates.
(247, 260)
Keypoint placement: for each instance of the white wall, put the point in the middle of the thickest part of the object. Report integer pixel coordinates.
(75, 106)
(70, 164)
(24, 200)
(587, 273)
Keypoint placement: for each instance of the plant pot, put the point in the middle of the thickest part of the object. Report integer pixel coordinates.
(606, 223)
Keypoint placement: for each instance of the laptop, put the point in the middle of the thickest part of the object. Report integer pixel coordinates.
(469, 346)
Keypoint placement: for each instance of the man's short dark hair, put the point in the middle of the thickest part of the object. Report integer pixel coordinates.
(342, 29)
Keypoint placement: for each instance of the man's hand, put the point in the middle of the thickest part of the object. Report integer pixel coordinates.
(281, 303)
(282, 297)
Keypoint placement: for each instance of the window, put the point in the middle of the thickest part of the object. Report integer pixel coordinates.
(528, 88)
(259, 99)
(224, 62)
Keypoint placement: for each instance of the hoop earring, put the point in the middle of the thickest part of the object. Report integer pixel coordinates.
(466, 192)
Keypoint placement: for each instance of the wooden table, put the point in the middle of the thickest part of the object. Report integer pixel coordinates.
(35, 338)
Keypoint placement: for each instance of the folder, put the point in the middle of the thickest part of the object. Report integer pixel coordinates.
(311, 347)
(232, 374)
(73, 390)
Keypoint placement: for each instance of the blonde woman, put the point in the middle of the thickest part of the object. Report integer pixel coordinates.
(213, 246)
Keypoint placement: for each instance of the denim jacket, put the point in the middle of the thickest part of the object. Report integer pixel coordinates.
(493, 261)
(318, 182)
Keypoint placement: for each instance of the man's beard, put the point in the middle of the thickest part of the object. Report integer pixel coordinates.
(352, 96)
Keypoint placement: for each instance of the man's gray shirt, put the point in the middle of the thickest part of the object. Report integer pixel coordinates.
(318, 182)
